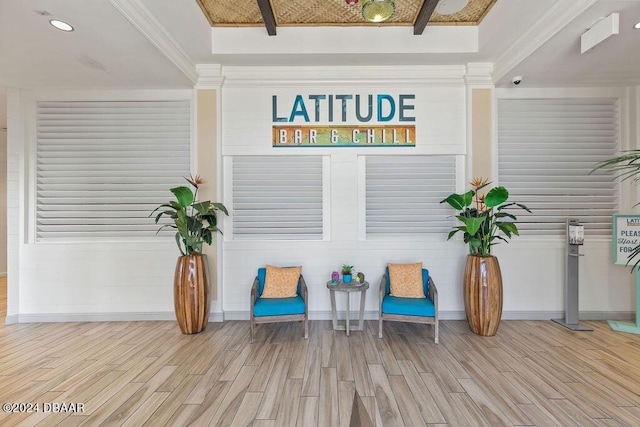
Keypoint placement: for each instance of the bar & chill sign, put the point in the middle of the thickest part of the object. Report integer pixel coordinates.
(373, 113)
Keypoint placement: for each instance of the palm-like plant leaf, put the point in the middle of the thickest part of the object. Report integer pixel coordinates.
(625, 166)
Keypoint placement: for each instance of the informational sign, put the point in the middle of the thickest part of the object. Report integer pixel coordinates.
(344, 136)
(626, 236)
(343, 120)
(576, 235)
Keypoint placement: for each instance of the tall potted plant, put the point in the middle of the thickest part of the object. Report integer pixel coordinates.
(195, 224)
(483, 218)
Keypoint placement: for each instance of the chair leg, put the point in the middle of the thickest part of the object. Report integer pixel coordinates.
(253, 326)
(436, 332)
(306, 328)
(380, 328)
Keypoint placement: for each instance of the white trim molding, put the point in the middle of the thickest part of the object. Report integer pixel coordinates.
(209, 76)
(456, 315)
(478, 75)
(144, 21)
(313, 315)
(429, 75)
(101, 317)
(557, 17)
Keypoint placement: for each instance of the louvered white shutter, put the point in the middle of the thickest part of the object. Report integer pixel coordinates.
(546, 149)
(277, 197)
(102, 167)
(403, 194)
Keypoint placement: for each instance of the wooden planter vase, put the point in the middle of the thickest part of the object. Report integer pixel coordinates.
(483, 294)
(191, 293)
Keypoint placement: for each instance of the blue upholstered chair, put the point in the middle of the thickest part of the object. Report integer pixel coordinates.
(271, 310)
(416, 310)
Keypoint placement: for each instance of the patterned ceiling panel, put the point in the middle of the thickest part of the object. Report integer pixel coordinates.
(330, 12)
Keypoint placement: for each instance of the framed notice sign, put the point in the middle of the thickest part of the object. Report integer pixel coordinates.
(626, 236)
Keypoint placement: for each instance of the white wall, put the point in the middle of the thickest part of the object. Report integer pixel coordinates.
(133, 280)
(247, 120)
(84, 280)
(534, 268)
(3, 185)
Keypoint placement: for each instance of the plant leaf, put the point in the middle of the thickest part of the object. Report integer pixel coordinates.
(459, 201)
(452, 233)
(508, 228)
(206, 236)
(472, 225)
(179, 243)
(505, 215)
(220, 207)
(202, 207)
(475, 243)
(496, 196)
(184, 196)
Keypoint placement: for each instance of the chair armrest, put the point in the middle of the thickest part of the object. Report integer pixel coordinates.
(383, 285)
(303, 289)
(433, 293)
(254, 293)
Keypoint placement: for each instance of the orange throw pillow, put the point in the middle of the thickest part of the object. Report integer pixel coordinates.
(405, 280)
(281, 282)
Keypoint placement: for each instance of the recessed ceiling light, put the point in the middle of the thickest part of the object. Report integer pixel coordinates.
(637, 26)
(61, 25)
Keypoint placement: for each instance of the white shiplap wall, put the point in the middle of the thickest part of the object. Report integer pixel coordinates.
(3, 198)
(109, 280)
(440, 107)
(533, 267)
(98, 279)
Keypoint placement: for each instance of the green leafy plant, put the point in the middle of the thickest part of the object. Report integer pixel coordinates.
(626, 166)
(482, 216)
(194, 221)
(346, 268)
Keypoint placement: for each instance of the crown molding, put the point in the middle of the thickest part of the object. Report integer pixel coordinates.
(479, 74)
(441, 75)
(556, 18)
(209, 76)
(144, 21)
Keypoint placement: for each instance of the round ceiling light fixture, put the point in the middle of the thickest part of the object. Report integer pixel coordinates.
(61, 25)
(637, 26)
(378, 10)
(449, 7)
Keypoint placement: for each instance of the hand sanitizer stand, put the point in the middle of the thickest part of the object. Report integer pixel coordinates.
(575, 238)
(626, 236)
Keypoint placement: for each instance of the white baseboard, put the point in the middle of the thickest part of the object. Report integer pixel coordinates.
(101, 317)
(216, 317)
(313, 315)
(11, 320)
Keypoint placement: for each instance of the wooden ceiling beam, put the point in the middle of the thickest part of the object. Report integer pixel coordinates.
(267, 16)
(423, 16)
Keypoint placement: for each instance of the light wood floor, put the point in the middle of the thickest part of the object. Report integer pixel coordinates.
(147, 373)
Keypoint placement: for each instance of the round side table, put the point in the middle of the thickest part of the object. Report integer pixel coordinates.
(348, 288)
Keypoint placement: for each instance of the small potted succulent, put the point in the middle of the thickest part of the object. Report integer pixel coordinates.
(347, 273)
